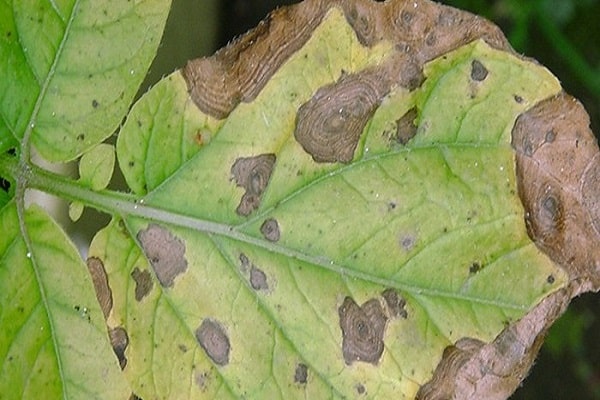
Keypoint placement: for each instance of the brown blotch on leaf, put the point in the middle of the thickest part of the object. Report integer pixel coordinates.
(301, 374)
(362, 330)
(395, 303)
(252, 174)
(270, 230)
(558, 179)
(471, 369)
(478, 71)
(360, 388)
(406, 128)
(143, 283)
(363, 19)
(119, 341)
(258, 279)
(244, 262)
(329, 125)
(100, 280)
(238, 72)
(214, 340)
(165, 252)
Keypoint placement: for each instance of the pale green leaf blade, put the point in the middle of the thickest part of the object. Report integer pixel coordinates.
(54, 340)
(432, 220)
(74, 67)
(96, 166)
(157, 141)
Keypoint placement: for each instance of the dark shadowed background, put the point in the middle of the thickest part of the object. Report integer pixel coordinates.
(564, 35)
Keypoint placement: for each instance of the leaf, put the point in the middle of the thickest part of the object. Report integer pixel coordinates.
(54, 338)
(70, 69)
(279, 262)
(96, 166)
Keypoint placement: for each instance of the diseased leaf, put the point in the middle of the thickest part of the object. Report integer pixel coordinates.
(54, 340)
(355, 212)
(356, 199)
(70, 69)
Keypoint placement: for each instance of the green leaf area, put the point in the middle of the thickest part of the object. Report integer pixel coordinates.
(69, 69)
(426, 238)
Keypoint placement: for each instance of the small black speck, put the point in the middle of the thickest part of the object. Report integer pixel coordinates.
(518, 99)
(12, 151)
(474, 268)
(8, 34)
(4, 184)
(550, 279)
(95, 103)
(130, 164)
(80, 137)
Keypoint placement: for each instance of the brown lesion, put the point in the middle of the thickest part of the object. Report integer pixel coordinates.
(558, 179)
(164, 251)
(329, 125)
(239, 71)
(472, 369)
(363, 328)
(252, 174)
(213, 338)
(101, 286)
(420, 30)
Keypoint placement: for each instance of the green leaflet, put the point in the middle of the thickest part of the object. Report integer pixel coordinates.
(54, 340)
(70, 69)
(434, 219)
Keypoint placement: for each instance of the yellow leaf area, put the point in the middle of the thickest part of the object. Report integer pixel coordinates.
(342, 280)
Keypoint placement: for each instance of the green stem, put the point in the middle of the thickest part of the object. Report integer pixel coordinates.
(128, 205)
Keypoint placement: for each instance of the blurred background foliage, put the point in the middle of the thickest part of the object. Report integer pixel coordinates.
(564, 35)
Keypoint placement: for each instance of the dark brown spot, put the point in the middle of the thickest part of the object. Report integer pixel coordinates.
(518, 99)
(213, 339)
(550, 279)
(165, 252)
(474, 268)
(478, 71)
(119, 341)
(143, 283)
(360, 389)
(408, 242)
(100, 280)
(95, 103)
(4, 184)
(362, 331)
(252, 174)
(395, 303)
(135, 397)
(329, 125)
(244, 262)
(270, 230)
(406, 127)
(258, 279)
(362, 21)
(301, 374)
